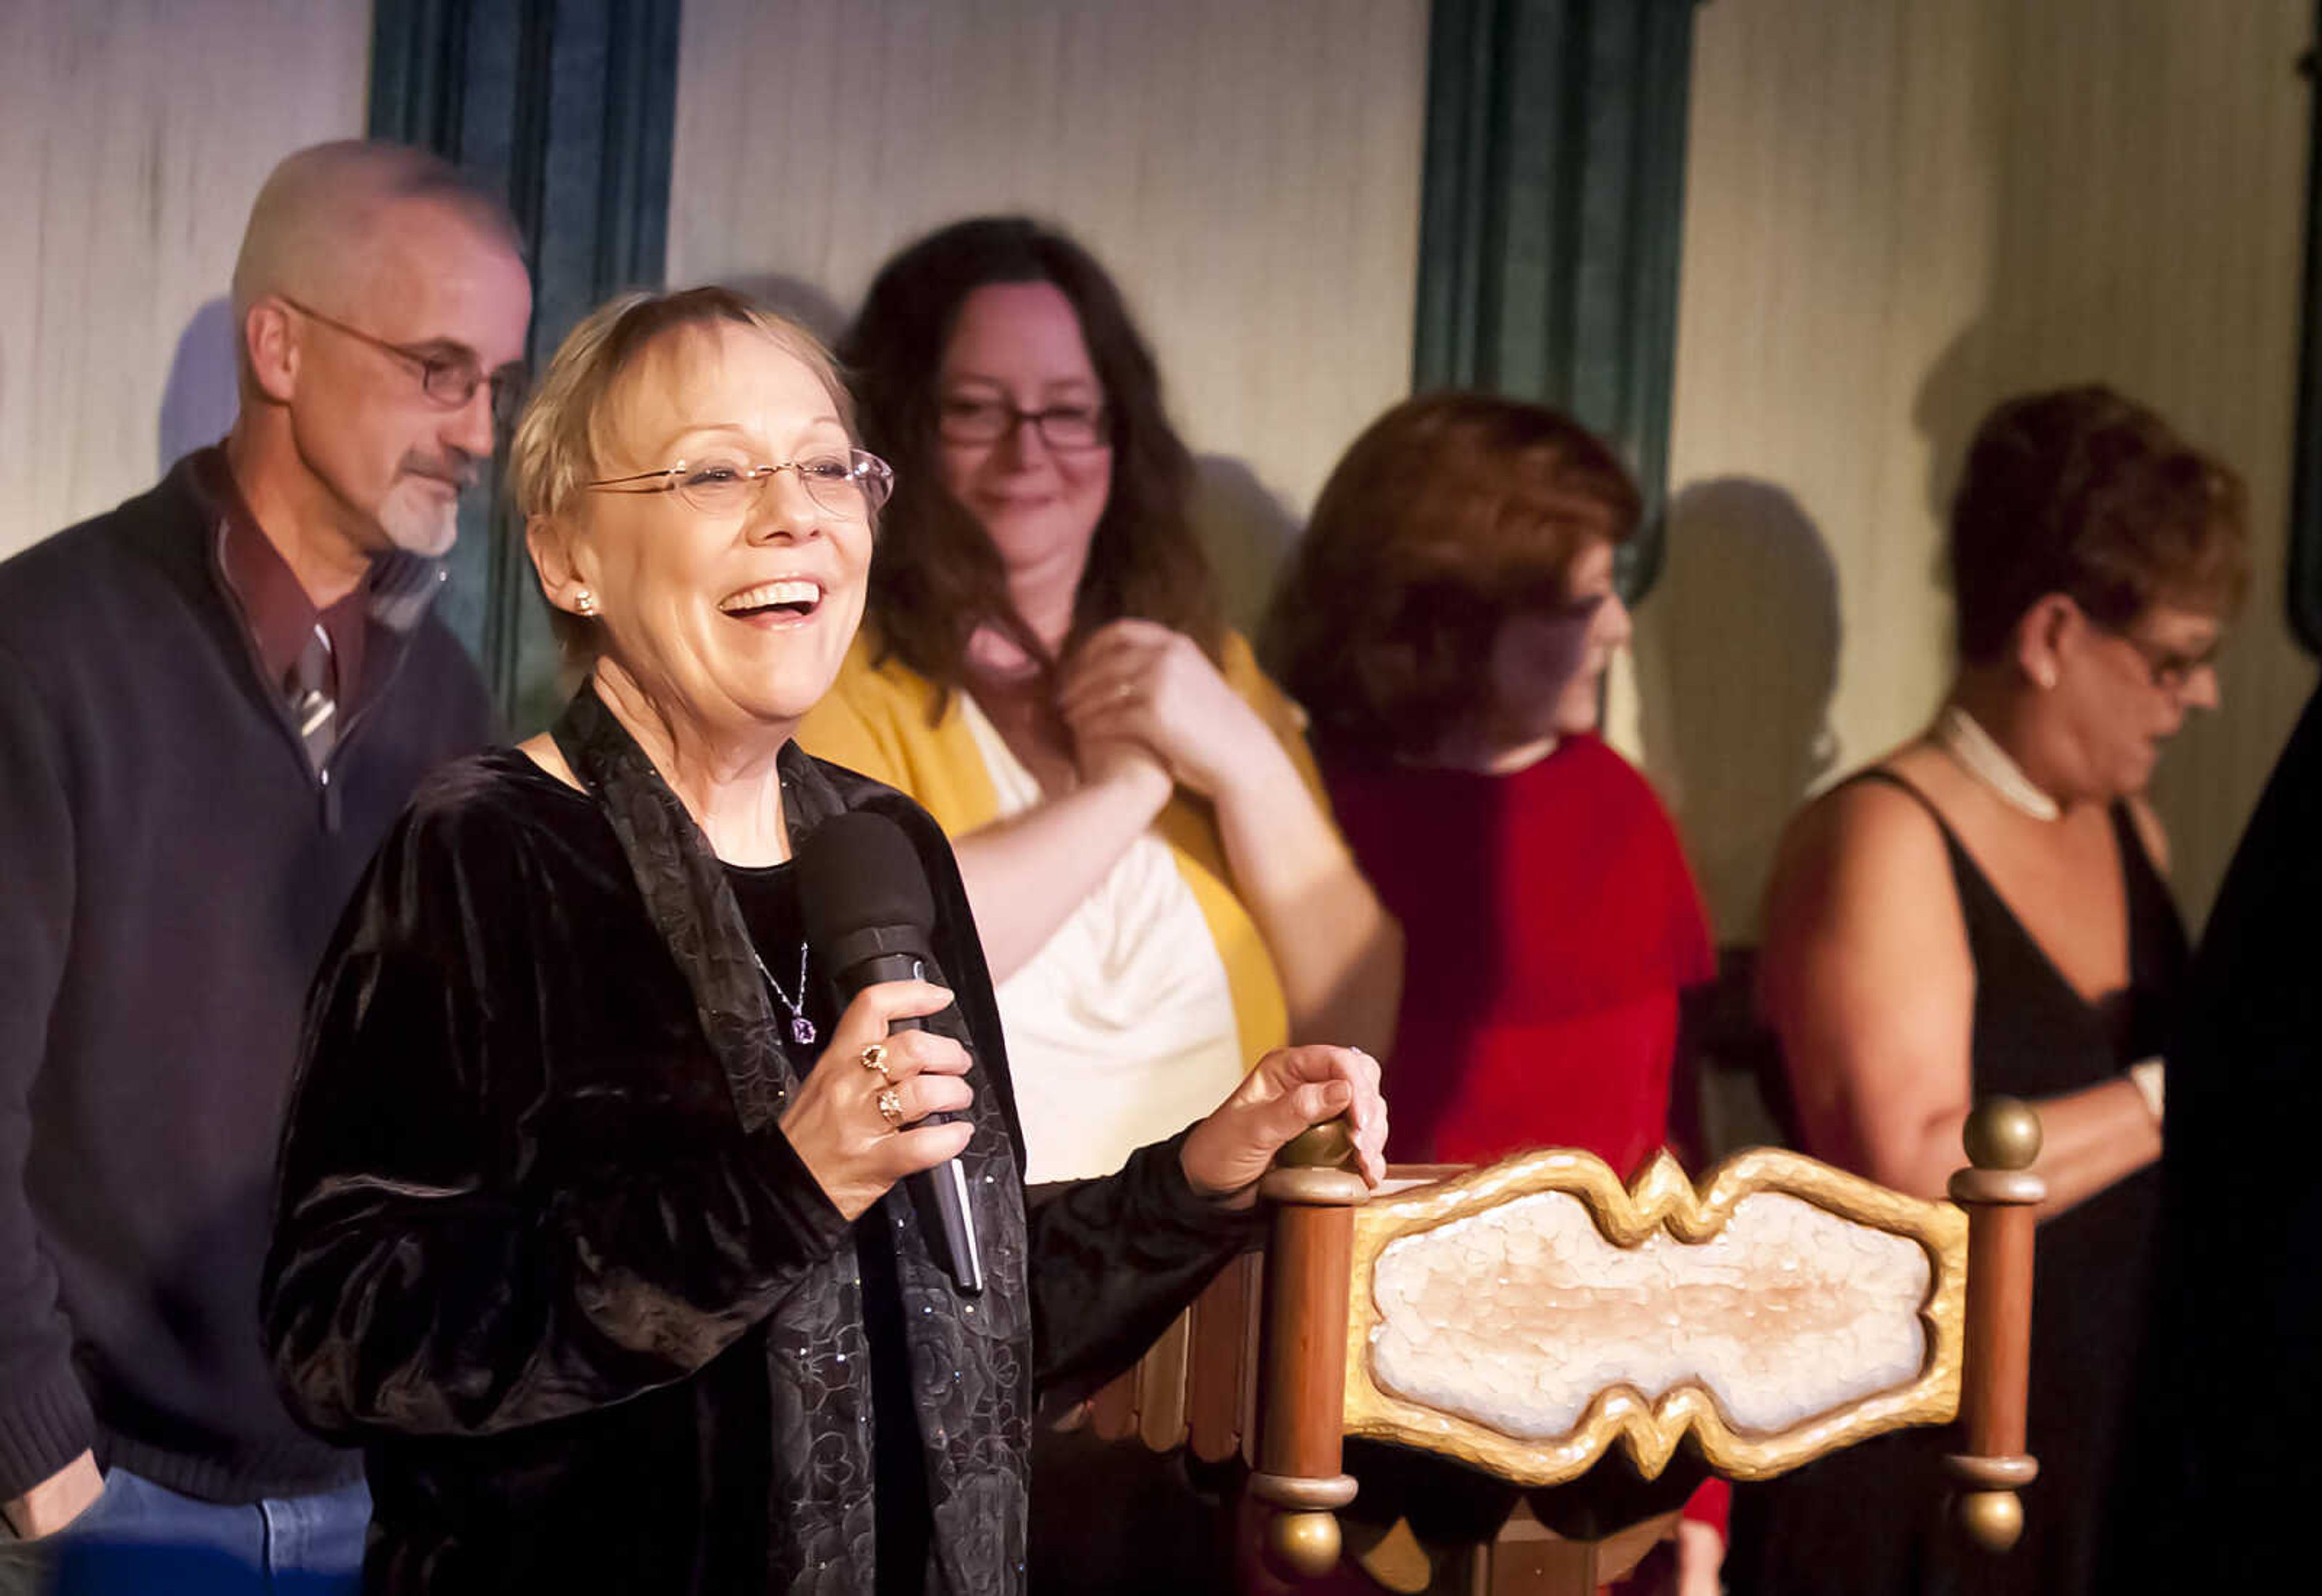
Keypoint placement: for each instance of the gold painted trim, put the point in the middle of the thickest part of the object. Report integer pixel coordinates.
(1660, 1196)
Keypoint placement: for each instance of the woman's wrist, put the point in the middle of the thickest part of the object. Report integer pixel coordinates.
(1258, 778)
(1189, 1165)
(1197, 1205)
(2150, 1077)
(1140, 780)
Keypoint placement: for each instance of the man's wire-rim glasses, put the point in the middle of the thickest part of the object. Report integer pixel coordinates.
(450, 380)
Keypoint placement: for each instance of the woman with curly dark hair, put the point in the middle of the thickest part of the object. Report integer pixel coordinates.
(1159, 887)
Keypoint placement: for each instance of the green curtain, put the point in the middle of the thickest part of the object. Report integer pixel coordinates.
(569, 108)
(1552, 211)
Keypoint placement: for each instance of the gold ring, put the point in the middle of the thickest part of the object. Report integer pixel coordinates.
(874, 1058)
(891, 1107)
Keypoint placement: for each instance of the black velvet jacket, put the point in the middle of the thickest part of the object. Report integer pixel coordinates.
(594, 1334)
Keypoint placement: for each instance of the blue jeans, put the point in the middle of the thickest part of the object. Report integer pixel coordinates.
(140, 1537)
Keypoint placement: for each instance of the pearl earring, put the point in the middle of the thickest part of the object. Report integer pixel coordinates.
(584, 602)
(2046, 678)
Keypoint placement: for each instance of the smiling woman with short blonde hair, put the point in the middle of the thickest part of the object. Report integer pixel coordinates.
(556, 444)
(587, 1227)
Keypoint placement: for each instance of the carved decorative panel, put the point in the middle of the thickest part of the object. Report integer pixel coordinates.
(1525, 1317)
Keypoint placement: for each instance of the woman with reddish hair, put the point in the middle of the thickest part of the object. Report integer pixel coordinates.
(1446, 623)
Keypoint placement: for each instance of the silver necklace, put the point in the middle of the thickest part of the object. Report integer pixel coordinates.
(801, 1028)
(1972, 749)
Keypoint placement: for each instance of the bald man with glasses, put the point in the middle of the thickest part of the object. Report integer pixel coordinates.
(213, 700)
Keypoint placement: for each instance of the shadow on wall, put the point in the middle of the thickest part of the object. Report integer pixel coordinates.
(1958, 392)
(1737, 659)
(1247, 535)
(198, 400)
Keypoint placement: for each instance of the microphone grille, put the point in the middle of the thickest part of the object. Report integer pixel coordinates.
(857, 870)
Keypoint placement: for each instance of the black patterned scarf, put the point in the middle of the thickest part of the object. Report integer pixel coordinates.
(970, 1360)
(689, 898)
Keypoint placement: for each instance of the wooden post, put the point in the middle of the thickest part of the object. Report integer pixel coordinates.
(1302, 1348)
(2001, 1195)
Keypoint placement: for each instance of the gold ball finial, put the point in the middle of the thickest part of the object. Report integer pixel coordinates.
(2002, 1134)
(1329, 1145)
(1304, 1544)
(1993, 1519)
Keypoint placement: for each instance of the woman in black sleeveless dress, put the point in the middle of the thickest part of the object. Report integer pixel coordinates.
(1983, 912)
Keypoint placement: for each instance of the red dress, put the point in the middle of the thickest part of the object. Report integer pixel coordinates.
(1549, 924)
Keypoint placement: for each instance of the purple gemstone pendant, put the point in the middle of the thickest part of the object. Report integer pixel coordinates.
(801, 1030)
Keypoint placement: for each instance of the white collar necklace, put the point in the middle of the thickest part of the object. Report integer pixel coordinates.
(1972, 748)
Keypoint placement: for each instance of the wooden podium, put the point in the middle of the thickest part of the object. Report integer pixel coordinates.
(1529, 1320)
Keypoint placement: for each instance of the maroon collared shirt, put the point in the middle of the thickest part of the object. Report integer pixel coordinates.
(275, 609)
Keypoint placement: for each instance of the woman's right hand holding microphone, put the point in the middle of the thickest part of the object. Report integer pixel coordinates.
(854, 1121)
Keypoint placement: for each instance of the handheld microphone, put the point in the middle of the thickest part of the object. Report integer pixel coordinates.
(869, 917)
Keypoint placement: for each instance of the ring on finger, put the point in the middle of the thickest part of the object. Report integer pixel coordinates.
(891, 1107)
(875, 1059)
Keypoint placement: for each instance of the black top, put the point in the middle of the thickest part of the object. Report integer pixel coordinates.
(593, 1333)
(2034, 1034)
(2222, 1470)
(1867, 1519)
(769, 901)
(171, 869)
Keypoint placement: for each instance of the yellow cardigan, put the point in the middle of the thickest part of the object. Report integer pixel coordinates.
(876, 720)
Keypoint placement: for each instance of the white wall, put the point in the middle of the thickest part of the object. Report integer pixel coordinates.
(1248, 168)
(133, 135)
(1899, 212)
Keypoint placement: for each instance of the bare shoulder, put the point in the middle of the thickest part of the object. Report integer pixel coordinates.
(1867, 831)
(1863, 878)
(1865, 955)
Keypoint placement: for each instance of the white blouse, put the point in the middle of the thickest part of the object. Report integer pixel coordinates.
(1120, 1028)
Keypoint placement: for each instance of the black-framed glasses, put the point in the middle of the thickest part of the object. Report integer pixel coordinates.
(852, 483)
(449, 380)
(965, 418)
(2172, 670)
